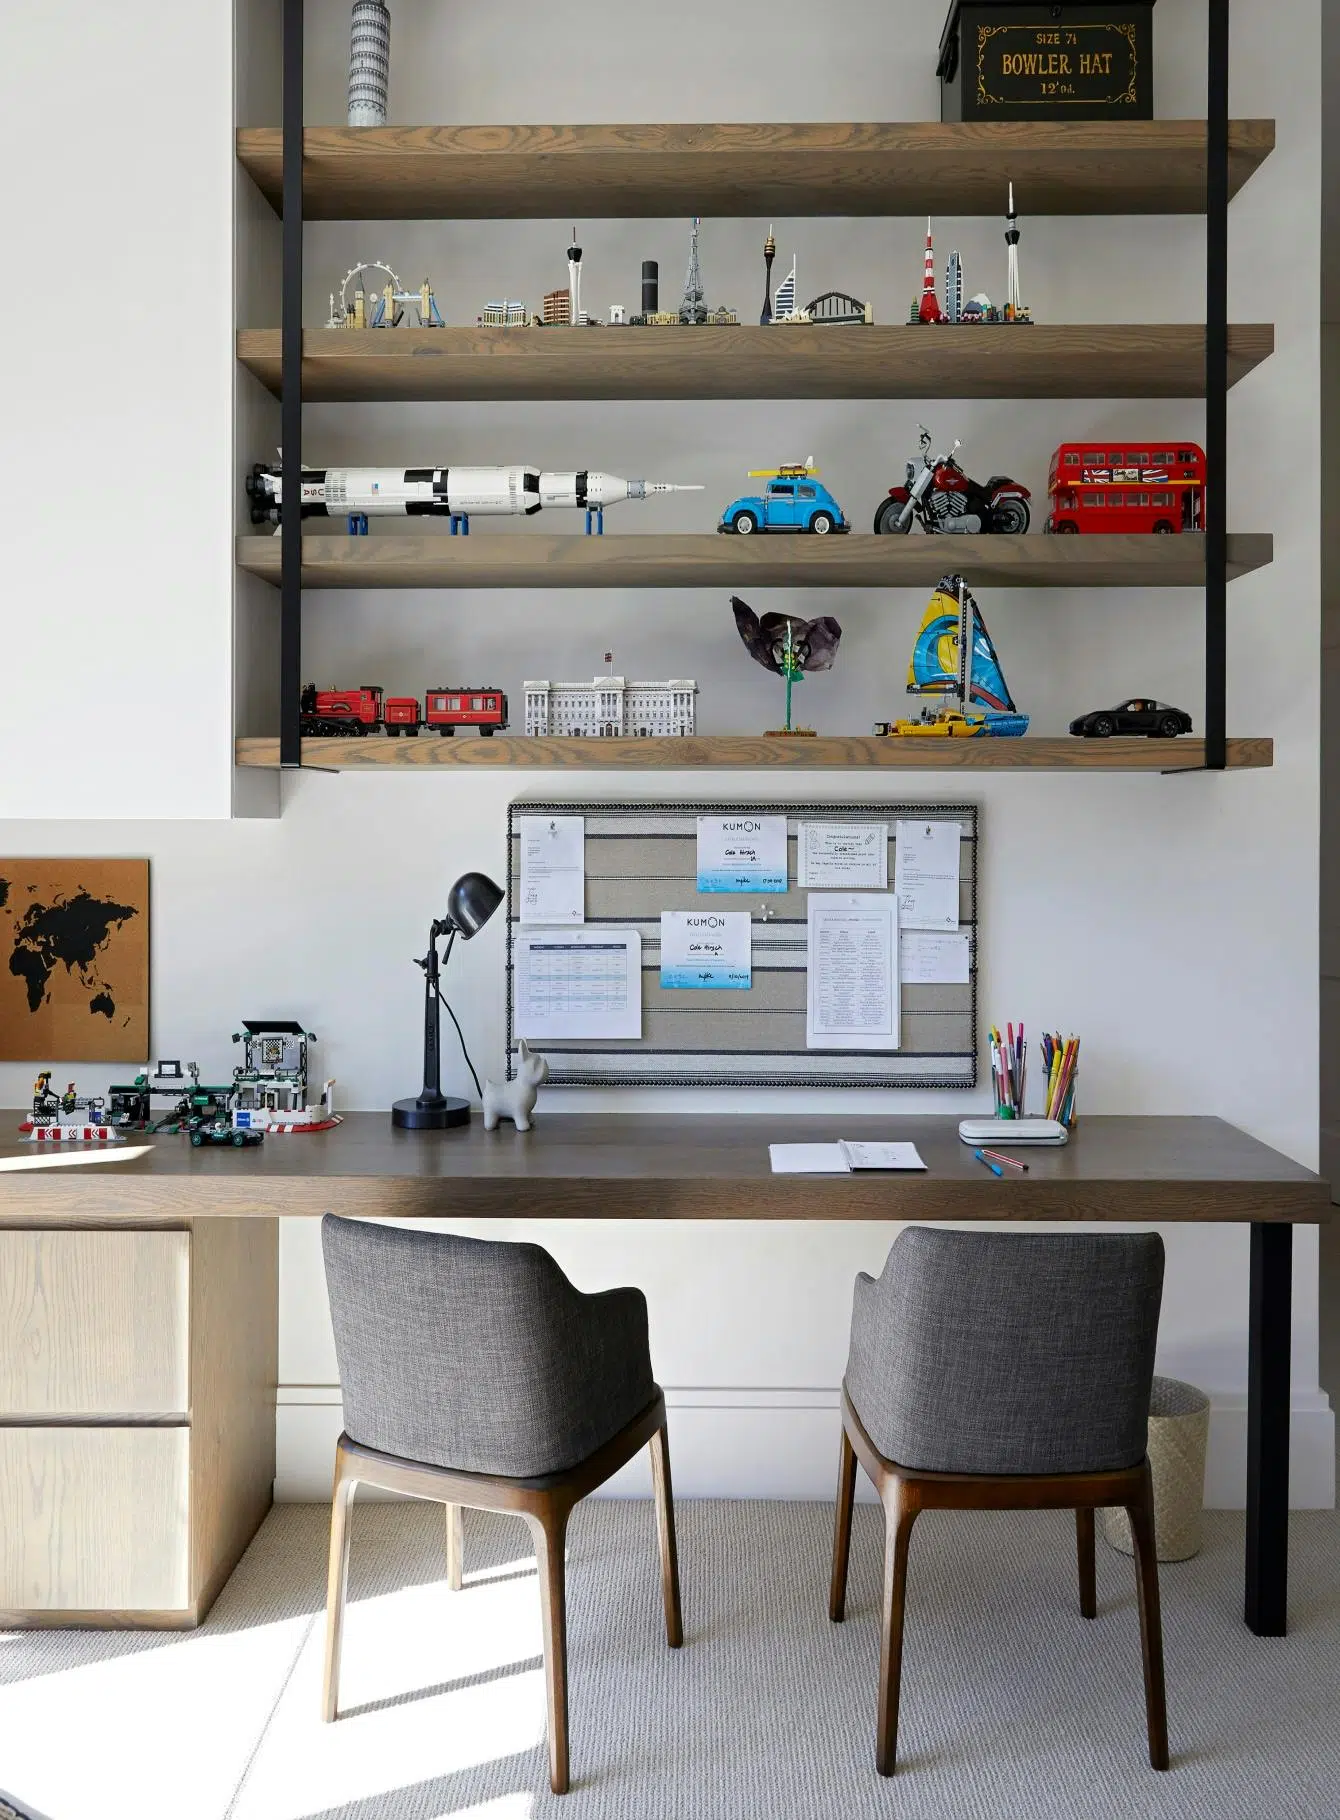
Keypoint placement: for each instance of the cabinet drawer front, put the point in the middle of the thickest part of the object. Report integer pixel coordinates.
(94, 1519)
(94, 1323)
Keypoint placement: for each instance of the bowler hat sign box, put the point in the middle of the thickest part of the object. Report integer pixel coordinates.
(1086, 60)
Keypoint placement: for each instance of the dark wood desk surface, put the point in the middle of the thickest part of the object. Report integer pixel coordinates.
(645, 1166)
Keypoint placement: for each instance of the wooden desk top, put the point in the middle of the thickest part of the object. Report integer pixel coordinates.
(645, 1166)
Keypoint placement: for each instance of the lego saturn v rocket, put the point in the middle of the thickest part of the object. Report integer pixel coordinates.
(443, 492)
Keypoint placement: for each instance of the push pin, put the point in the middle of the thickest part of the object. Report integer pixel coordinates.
(765, 913)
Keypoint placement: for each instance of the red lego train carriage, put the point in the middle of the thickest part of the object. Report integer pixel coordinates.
(338, 713)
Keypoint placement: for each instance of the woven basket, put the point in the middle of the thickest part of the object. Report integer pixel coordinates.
(1179, 1425)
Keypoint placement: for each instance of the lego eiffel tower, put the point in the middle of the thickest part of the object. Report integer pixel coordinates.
(694, 306)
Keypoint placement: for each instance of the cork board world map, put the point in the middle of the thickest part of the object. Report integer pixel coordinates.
(74, 960)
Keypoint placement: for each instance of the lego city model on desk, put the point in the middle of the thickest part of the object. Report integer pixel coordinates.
(67, 1118)
(368, 308)
(979, 309)
(269, 1090)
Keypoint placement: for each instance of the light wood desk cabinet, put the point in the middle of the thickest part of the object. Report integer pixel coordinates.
(137, 1392)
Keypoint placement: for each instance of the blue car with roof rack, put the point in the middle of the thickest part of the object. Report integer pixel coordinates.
(795, 500)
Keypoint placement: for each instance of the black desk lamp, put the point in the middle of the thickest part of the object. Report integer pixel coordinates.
(470, 903)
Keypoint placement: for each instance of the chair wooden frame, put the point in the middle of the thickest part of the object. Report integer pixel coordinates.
(905, 1494)
(546, 1504)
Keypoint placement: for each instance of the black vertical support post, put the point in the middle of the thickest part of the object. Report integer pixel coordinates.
(1269, 1345)
(290, 586)
(1216, 394)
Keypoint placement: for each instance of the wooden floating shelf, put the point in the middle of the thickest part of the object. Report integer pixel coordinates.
(466, 173)
(743, 752)
(1089, 360)
(532, 559)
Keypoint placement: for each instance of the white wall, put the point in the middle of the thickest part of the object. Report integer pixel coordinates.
(1172, 921)
(116, 425)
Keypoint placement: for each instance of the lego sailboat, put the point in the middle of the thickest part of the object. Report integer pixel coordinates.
(954, 658)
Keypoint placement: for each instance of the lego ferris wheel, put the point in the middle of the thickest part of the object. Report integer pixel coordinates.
(378, 299)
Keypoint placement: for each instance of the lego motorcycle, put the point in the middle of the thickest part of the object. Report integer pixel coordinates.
(940, 497)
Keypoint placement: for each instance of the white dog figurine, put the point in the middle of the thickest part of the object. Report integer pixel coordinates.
(516, 1099)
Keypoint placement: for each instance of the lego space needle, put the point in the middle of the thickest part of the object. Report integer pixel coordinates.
(1014, 308)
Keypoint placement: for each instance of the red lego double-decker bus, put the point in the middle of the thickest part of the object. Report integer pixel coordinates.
(1136, 487)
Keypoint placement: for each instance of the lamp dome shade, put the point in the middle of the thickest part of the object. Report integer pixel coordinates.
(471, 902)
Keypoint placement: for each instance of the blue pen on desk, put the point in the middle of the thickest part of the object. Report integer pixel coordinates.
(982, 1157)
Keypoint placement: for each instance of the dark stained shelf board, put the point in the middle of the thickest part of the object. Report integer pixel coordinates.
(1089, 360)
(754, 752)
(469, 173)
(665, 1165)
(535, 559)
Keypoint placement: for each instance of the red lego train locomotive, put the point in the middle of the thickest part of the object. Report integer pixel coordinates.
(337, 713)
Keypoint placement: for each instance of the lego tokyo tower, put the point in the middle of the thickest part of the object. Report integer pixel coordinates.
(929, 309)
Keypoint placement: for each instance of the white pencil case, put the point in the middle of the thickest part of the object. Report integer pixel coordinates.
(1012, 1131)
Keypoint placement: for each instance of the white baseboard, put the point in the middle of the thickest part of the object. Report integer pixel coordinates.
(783, 1444)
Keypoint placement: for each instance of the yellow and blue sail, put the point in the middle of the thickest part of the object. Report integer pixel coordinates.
(936, 669)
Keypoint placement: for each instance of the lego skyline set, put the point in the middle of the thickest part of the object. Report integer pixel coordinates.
(266, 1096)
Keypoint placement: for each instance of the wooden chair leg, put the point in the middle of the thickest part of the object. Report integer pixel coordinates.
(455, 1548)
(665, 1530)
(549, 1528)
(899, 1516)
(846, 1497)
(337, 1586)
(1141, 1515)
(1088, 1581)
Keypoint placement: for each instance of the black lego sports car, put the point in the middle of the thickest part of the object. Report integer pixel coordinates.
(1139, 715)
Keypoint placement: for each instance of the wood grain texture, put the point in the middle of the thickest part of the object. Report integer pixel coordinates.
(234, 1376)
(538, 559)
(736, 752)
(1089, 360)
(650, 1166)
(93, 1323)
(93, 1518)
(591, 172)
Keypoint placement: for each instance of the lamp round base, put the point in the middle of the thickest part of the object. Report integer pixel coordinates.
(409, 1115)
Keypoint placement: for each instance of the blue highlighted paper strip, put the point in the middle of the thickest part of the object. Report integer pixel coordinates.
(683, 979)
(742, 881)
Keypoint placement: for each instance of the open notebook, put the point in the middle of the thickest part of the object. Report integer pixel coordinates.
(841, 1158)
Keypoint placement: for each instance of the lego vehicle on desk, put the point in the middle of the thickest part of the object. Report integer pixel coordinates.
(218, 1130)
(1135, 489)
(1140, 715)
(795, 500)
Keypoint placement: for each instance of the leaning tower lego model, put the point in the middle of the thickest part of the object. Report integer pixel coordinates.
(369, 62)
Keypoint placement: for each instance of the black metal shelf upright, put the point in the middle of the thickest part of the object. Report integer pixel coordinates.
(290, 406)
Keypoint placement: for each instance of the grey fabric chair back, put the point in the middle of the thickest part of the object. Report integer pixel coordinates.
(987, 1352)
(478, 1356)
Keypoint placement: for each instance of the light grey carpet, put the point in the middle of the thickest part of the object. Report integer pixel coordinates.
(1013, 1705)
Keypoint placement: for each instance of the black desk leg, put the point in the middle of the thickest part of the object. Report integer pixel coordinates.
(1271, 1299)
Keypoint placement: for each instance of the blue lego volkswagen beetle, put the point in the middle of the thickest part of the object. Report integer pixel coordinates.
(795, 500)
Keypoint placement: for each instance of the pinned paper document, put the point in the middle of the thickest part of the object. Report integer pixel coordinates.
(925, 874)
(933, 957)
(553, 869)
(578, 983)
(852, 997)
(706, 949)
(843, 856)
(742, 853)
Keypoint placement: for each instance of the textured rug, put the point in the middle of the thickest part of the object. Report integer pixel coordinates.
(1014, 1708)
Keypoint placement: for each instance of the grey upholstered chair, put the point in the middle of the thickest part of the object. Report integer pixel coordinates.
(1003, 1371)
(475, 1374)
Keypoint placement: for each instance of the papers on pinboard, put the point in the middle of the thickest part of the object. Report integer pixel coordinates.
(931, 957)
(706, 950)
(841, 1158)
(925, 874)
(842, 856)
(742, 853)
(578, 983)
(553, 869)
(852, 998)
